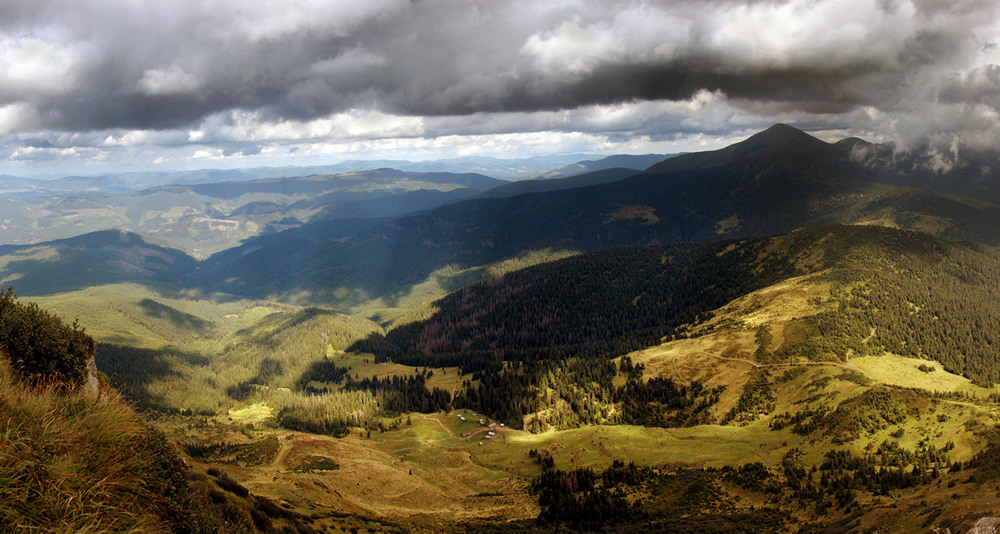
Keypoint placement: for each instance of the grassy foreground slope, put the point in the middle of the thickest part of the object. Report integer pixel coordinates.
(77, 458)
(72, 463)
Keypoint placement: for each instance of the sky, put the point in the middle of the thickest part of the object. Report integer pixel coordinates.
(92, 86)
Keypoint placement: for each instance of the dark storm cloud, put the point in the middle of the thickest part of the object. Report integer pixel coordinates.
(102, 65)
(980, 86)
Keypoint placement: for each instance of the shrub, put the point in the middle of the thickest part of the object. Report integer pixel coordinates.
(231, 485)
(39, 345)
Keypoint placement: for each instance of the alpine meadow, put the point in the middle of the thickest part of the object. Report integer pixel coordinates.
(479, 267)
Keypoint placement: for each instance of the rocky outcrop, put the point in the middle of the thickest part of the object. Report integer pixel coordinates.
(986, 525)
(91, 383)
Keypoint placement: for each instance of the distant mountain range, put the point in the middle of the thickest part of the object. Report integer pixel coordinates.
(360, 248)
(94, 259)
(773, 182)
(203, 212)
(206, 218)
(539, 167)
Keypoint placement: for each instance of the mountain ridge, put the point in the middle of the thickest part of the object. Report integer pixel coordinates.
(771, 183)
(756, 188)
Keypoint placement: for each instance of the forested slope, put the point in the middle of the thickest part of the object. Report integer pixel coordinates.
(904, 292)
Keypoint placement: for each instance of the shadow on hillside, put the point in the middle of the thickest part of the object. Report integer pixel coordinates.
(177, 318)
(132, 370)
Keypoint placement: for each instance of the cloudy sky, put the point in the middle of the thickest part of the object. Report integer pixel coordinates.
(90, 86)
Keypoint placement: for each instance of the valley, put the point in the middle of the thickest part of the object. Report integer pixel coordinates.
(441, 481)
(771, 337)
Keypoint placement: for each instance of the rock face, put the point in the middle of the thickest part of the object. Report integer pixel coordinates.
(91, 385)
(986, 525)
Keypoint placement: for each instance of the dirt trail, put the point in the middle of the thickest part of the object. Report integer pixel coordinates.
(870, 336)
(284, 449)
(843, 365)
(426, 417)
(454, 387)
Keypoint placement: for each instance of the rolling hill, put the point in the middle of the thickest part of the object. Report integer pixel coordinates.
(773, 182)
(932, 296)
(95, 259)
(206, 218)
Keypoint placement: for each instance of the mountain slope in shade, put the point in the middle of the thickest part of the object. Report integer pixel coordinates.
(523, 187)
(774, 182)
(778, 138)
(94, 259)
(620, 161)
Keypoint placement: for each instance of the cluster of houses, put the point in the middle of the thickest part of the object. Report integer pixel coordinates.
(490, 434)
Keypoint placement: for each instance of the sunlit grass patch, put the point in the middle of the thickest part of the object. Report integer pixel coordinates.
(897, 370)
(255, 413)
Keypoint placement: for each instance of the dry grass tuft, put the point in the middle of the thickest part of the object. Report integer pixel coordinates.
(74, 463)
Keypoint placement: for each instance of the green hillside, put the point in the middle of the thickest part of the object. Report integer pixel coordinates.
(765, 409)
(902, 292)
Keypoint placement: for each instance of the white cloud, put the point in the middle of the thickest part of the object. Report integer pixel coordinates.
(169, 80)
(13, 117)
(251, 126)
(204, 153)
(29, 64)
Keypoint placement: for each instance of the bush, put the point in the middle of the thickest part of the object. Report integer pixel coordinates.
(232, 486)
(39, 345)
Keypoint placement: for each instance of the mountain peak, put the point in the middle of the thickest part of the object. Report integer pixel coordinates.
(780, 136)
(785, 136)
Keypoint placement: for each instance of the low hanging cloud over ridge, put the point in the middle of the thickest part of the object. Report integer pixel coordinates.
(138, 81)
